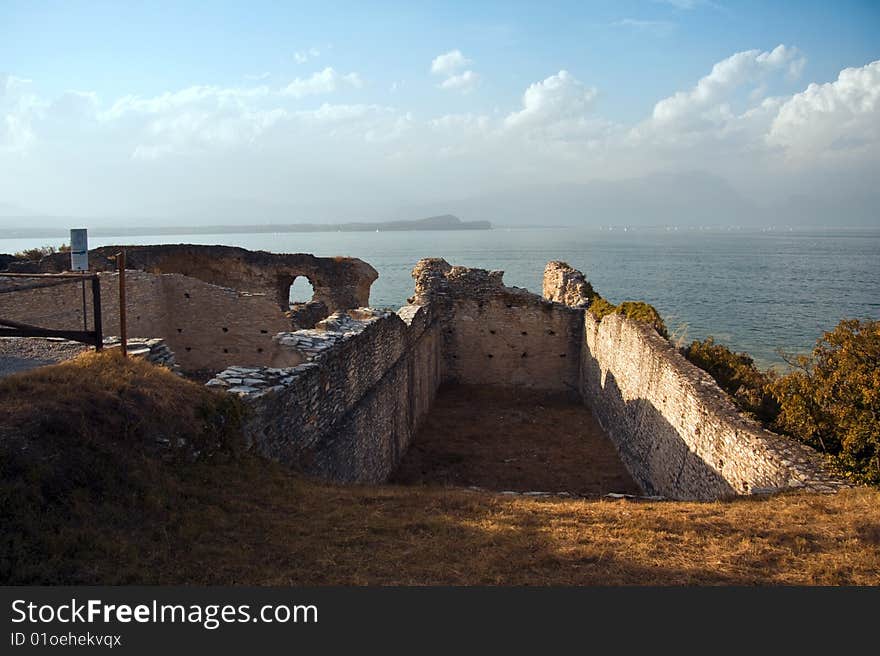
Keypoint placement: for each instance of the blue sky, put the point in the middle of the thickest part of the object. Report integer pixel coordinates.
(620, 60)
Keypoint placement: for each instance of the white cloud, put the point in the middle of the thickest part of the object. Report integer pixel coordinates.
(20, 107)
(302, 56)
(449, 63)
(461, 123)
(463, 82)
(204, 96)
(728, 110)
(827, 119)
(326, 81)
(725, 77)
(252, 140)
(558, 98)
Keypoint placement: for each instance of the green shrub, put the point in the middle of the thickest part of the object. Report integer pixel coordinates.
(737, 375)
(644, 312)
(40, 252)
(636, 310)
(601, 308)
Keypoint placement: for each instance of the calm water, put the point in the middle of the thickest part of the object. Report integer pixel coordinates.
(755, 291)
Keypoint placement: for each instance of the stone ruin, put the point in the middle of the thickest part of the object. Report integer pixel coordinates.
(342, 396)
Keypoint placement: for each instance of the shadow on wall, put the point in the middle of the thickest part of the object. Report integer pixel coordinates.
(656, 455)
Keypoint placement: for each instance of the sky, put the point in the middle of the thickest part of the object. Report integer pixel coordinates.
(221, 112)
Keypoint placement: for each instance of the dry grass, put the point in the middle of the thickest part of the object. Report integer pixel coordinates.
(287, 531)
(239, 520)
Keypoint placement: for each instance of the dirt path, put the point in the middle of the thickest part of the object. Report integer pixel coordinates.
(513, 439)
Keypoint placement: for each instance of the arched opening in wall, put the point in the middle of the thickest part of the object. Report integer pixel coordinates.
(303, 310)
(301, 291)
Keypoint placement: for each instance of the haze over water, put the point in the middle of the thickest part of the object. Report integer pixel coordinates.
(754, 291)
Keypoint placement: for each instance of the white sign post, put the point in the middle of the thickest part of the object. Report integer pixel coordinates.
(79, 249)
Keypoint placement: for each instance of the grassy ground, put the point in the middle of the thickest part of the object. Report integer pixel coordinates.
(98, 499)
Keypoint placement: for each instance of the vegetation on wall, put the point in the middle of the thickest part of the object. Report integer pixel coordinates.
(636, 310)
(829, 400)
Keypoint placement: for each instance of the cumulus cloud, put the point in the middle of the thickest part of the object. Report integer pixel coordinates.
(326, 81)
(560, 97)
(19, 108)
(205, 96)
(726, 76)
(734, 122)
(449, 63)
(463, 82)
(727, 109)
(302, 56)
(827, 119)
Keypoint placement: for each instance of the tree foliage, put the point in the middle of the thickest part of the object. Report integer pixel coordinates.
(737, 375)
(829, 400)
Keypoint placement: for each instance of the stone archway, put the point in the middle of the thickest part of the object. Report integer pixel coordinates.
(301, 291)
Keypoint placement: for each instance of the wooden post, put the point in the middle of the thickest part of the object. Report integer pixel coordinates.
(123, 330)
(96, 310)
(85, 316)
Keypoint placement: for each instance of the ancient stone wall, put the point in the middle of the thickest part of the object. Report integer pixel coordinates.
(564, 284)
(339, 282)
(350, 413)
(498, 335)
(208, 327)
(676, 431)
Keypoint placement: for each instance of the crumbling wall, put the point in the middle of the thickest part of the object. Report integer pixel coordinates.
(208, 327)
(498, 335)
(676, 431)
(567, 285)
(350, 413)
(338, 282)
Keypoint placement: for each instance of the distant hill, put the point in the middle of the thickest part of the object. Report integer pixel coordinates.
(659, 199)
(441, 222)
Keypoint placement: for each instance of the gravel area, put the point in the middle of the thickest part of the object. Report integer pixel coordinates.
(23, 353)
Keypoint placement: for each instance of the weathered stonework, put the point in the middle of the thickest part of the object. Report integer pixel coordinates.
(498, 335)
(342, 397)
(208, 327)
(677, 432)
(349, 413)
(339, 282)
(567, 285)
(153, 350)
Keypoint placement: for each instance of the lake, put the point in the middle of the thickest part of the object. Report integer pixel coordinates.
(756, 291)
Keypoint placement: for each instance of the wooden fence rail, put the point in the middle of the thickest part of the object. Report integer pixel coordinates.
(10, 328)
